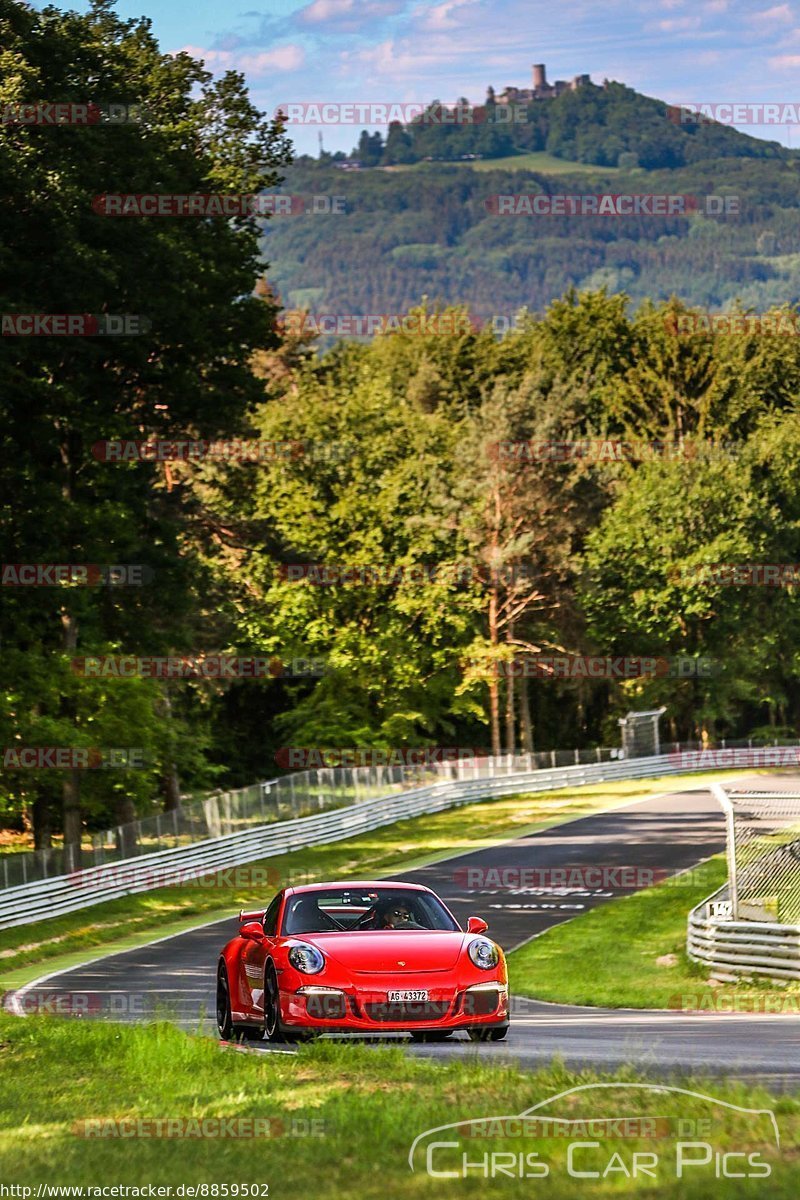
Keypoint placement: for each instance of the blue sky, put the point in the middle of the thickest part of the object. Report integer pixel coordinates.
(406, 51)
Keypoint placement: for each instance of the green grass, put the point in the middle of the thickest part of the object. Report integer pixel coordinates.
(363, 1108)
(536, 160)
(607, 957)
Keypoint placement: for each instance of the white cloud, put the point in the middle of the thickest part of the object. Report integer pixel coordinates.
(780, 14)
(784, 62)
(282, 58)
(679, 24)
(348, 12)
(326, 10)
(441, 15)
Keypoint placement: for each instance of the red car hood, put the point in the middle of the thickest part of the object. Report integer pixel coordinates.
(378, 951)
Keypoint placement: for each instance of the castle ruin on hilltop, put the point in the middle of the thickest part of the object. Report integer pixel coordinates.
(541, 90)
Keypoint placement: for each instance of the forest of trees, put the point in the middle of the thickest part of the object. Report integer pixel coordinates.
(432, 231)
(481, 557)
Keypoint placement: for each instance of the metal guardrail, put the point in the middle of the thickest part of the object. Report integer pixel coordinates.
(741, 947)
(299, 794)
(25, 904)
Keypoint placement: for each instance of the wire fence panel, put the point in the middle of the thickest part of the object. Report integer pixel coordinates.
(763, 853)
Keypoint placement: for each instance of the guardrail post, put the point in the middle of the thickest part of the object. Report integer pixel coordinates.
(730, 826)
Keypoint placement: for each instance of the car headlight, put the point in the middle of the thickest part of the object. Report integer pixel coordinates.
(307, 959)
(484, 953)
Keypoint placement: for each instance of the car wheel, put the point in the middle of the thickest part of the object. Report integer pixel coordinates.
(497, 1034)
(272, 1020)
(224, 1020)
(437, 1035)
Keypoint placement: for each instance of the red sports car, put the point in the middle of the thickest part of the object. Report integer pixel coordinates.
(360, 958)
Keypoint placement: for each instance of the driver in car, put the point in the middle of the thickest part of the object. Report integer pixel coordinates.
(398, 916)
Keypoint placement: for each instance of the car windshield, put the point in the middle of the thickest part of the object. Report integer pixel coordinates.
(347, 910)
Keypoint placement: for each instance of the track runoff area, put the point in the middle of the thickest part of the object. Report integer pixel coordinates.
(522, 887)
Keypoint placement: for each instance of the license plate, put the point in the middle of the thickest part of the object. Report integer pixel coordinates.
(403, 997)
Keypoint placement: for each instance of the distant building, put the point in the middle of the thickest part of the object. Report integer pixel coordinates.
(541, 90)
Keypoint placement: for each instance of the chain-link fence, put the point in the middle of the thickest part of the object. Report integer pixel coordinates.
(640, 733)
(299, 794)
(763, 854)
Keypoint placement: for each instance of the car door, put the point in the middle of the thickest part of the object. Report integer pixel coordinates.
(254, 957)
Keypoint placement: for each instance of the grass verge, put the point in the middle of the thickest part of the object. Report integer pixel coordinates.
(608, 957)
(535, 160)
(341, 1120)
(134, 919)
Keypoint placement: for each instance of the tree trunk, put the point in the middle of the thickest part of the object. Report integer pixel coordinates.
(510, 699)
(127, 841)
(526, 728)
(170, 788)
(494, 687)
(169, 784)
(71, 787)
(71, 810)
(42, 829)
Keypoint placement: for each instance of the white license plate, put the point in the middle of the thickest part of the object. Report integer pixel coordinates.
(406, 996)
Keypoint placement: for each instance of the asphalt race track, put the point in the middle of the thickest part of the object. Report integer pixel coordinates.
(634, 844)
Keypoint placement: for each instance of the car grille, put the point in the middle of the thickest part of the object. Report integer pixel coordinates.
(410, 1010)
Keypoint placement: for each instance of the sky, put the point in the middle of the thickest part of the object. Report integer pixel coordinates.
(403, 51)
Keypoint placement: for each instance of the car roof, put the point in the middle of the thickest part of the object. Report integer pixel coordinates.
(359, 883)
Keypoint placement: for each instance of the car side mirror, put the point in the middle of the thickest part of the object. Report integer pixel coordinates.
(253, 930)
(477, 925)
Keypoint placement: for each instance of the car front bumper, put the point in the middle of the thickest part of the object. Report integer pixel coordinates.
(369, 1010)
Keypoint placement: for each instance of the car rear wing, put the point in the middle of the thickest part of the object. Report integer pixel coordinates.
(258, 915)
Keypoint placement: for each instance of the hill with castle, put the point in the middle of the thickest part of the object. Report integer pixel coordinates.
(416, 212)
(607, 125)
